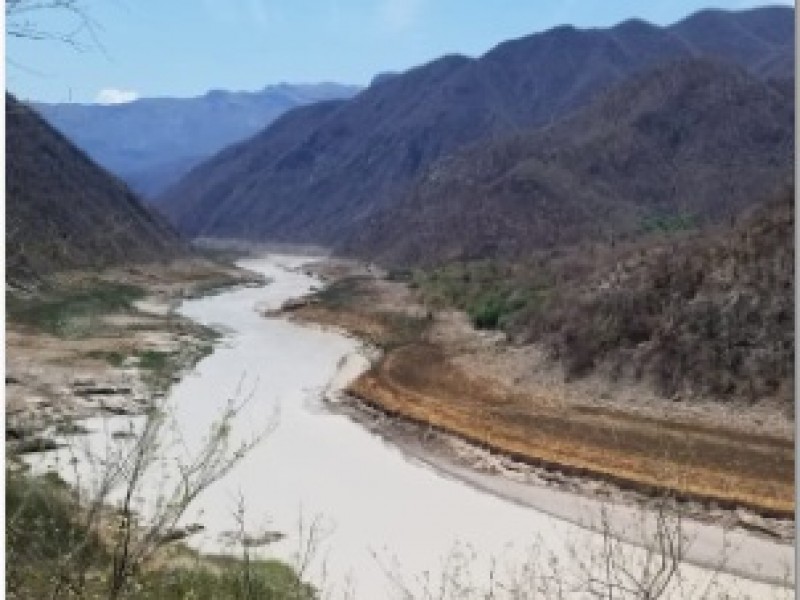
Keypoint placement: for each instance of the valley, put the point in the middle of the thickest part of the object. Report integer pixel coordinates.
(308, 400)
(506, 324)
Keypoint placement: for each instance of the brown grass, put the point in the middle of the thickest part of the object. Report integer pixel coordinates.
(651, 455)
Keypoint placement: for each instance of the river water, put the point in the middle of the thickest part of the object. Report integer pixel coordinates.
(379, 521)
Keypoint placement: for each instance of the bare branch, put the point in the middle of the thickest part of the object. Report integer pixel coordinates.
(29, 20)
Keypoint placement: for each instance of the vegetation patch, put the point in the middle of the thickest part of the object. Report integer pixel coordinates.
(229, 580)
(55, 550)
(71, 312)
(669, 223)
(343, 293)
(490, 292)
(42, 528)
(113, 357)
(155, 360)
(158, 367)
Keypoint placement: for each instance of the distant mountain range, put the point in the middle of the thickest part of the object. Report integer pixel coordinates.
(330, 172)
(152, 142)
(63, 211)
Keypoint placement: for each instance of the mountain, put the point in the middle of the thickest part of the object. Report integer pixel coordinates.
(152, 142)
(317, 178)
(690, 143)
(63, 211)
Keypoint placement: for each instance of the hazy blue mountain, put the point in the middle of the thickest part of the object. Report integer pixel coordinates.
(152, 142)
(319, 176)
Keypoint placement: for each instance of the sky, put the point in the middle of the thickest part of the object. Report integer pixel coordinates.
(143, 48)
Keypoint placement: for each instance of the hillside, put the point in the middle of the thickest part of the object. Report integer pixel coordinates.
(707, 315)
(694, 315)
(320, 182)
(684, 145)
(151, 142)
(63, 211)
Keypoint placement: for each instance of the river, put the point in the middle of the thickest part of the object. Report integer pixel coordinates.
(385, 520)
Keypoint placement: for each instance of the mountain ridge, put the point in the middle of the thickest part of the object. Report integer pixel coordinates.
(694, 140)
(366, 154)
(151, 142)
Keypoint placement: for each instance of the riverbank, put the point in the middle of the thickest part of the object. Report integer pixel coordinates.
(437, 378)
(88, 354)
(86, 344)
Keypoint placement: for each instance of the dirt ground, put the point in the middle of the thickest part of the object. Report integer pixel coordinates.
(443, 374)
(121, 361)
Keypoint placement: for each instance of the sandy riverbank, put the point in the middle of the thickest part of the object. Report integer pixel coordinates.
(720, 540)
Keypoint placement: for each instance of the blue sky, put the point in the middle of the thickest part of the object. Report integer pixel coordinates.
(186, 47)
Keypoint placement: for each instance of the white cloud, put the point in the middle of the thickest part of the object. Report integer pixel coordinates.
(115, 96)
(400, 15)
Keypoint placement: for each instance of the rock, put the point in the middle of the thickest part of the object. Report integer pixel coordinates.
(70, 428)
(294, 304)
(34, 445)
(103, 389)
(17, 432)
(115, 408)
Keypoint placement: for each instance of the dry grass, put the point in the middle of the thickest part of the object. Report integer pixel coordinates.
(691, 461)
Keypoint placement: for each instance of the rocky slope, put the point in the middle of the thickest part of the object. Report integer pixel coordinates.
(684, 145)
(319, 181)
(707, 315)
(63, 211)
(151, 142)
